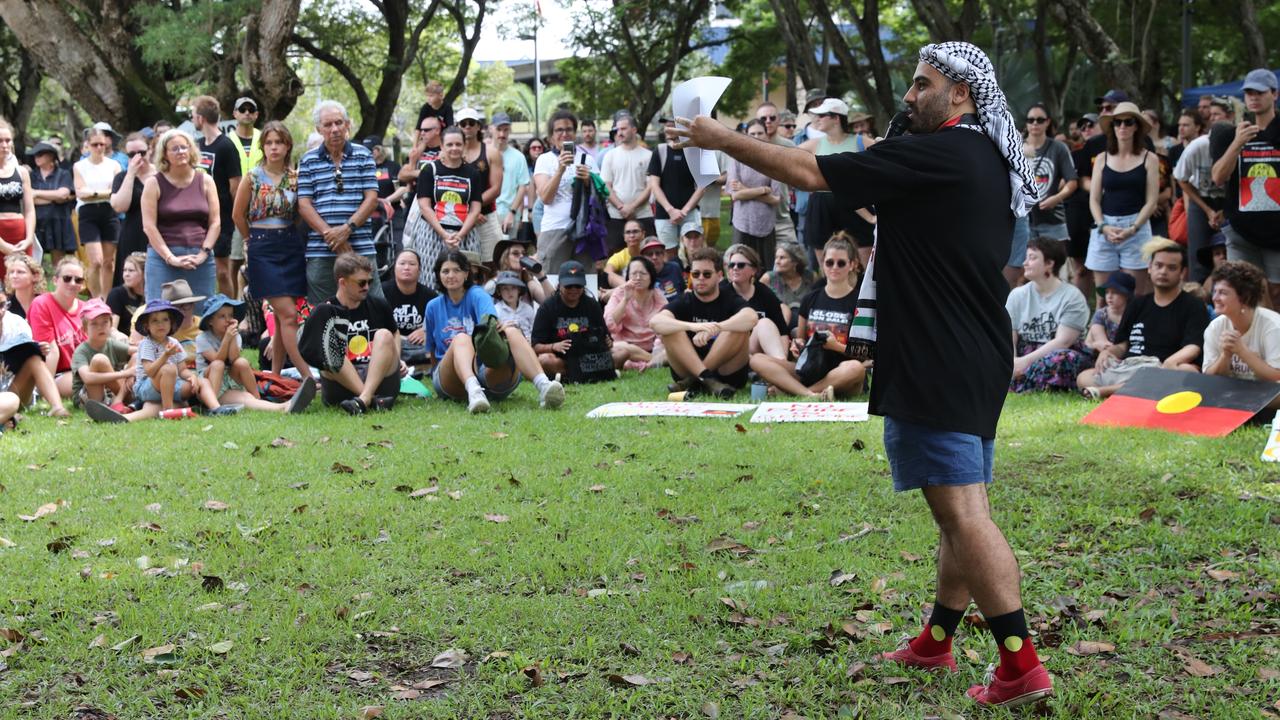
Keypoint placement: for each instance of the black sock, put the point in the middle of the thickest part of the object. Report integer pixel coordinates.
(1012, 624)
(707, 374)
(946, 618)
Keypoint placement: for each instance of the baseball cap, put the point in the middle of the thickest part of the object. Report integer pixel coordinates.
(91, 309)
(830, 106)
(1088, 117)
(370, 141)
(1260, 80)
(501, 118)
(106, 127)
(468, 114)
(814, 96)
(572, 274)
(1112, 97)
(245, 101)
(650, 243)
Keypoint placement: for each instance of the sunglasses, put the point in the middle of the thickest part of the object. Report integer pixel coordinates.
(833, 262)
(1124, 122)
(701, 274)
(768, 118)
(97, 145)
(73, 279)
(247, 109)
(468, 123)
(790, 126)
(1037, 120)
(337, 178)
(428, 129)
(136, 153)
(535, 147)
(737, 265)
(362, 283)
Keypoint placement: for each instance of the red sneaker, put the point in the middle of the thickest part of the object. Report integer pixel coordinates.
(908, 657)
(1034, 685)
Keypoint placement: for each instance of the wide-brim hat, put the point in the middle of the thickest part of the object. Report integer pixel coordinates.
(153, 307)
(215, 303)
(505, 243)
(1204, 253)
(1120, 281)
(509, 278)
(1125, 109)
(179, 292)
(43, 147)
(858, 116)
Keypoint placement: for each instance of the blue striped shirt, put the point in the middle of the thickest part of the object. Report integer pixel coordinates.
(318, 182)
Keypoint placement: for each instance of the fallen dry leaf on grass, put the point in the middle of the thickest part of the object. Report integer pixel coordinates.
(369, 712)
(43, 510)
(597, 488)
(534, 673)
(634, 680)
(215, 505)
(1090, 647)
(451, 658)
(1222, 575)
(494, 518)
(339, 469)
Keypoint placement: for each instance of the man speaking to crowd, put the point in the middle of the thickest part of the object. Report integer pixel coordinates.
(946, 196)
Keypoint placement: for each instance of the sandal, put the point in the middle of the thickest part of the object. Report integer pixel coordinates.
(354, 406)
(1091, 393)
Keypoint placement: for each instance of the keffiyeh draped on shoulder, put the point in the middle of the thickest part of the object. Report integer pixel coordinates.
(964, 62)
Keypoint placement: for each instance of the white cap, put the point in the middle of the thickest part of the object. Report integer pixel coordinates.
(468, 114)
(829, 106)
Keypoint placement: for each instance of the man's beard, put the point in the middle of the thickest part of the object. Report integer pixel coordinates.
(926, 117)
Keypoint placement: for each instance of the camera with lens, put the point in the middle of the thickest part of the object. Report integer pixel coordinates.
(531, 265)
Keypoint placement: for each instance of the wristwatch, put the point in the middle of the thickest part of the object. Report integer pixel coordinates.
(351, 225)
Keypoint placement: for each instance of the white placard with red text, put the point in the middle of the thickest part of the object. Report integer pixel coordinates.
(774, 412)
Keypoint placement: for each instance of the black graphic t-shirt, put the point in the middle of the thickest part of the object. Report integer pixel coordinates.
(1051, 166)
(690, 308)
(221, 159)
(1253, 190)
(1162, 331)
(386, 172)
(557, 321)
(833, 316)
(408, 311)
(371, 316)
(451, 190)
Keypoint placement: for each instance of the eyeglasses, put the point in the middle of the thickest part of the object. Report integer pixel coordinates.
(833, 262)
(737, 265)
(337, 178)
(1124, 122)
(535, 147)
(1037, 120)
(768, 118)
(136, 153)
(632, 231)
(246, 108)
(73, 279)
(701, 274)
(566, 130)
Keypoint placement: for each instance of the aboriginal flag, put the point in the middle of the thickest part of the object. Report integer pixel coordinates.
(1184, 402)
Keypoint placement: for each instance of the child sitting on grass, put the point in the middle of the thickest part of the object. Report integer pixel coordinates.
(511, 301)
(230, 376)
(162, 379)
(102, 366)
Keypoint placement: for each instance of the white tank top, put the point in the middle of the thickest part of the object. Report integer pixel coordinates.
(97, 178)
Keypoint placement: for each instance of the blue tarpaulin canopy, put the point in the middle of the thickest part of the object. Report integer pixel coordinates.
(1191, 96)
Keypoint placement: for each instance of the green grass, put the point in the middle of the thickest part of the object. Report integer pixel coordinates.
(336, 586)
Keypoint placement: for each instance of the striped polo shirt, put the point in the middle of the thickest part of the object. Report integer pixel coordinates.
(317, 181)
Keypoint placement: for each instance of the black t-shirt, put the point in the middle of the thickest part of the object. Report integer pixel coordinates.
(123, 303)
(690, 308)
(1253, 207)
(221, 159)
(131, 235)
(674, 178)
(1162, 331)
(834, 316)
(59, 178)
(764, 302)
(452, 190)
(445, 113)
(371, 316)
(943, 356)
(556, 321)
(386, 172)
(407, 310)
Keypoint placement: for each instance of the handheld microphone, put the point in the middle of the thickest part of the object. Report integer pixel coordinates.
(898, 124)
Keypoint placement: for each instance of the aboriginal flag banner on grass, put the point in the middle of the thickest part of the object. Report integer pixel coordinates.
(1184, 402)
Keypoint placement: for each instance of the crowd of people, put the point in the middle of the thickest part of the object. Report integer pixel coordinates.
(1135, 241)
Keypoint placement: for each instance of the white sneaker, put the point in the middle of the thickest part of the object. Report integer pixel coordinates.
(477, 403)
(551, 395)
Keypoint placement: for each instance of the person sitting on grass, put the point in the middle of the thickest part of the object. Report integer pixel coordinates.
(162, 380)
(669, 279)
(368, 375)
(1164, 329)
(511, 300)
(706, 332)
(9, 405)
(1116, 293)
(55, 320)
(628, 313)
(1243, 341)
(102, 366)
(615, 267)
(408, 299)
(743, 266)
(451, 323)
(790, 279)
(569, 332)
(23, 281)
(1049, 318)
(515, 256)
(130, 295)
(828, 310)
(24, 359)
(218, 360)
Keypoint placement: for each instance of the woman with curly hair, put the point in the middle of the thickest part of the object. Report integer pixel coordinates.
(1243, 341)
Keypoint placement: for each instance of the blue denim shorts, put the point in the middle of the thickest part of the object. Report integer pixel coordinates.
(146, 391)
(921, 456)
(493, 393)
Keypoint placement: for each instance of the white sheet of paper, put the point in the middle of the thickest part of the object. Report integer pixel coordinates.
(691, 98)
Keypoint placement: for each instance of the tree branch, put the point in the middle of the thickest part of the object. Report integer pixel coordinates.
(343, 69)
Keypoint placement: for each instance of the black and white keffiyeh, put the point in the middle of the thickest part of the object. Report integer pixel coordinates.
(964, 62)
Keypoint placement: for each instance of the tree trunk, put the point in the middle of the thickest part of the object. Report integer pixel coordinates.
(17, 109)
(936, 16)
(469, 42)
(264, 53)
(801, 54)
(99, 66)
(1255, 46)
(1088, 33)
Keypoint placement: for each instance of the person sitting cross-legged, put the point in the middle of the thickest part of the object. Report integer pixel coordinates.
(828, 309)
(1049, 319)
(1243, 341)
(569, 332)
(452, 319)
(368, 374)
(1163, 329)
(219, 362)
(706, 331)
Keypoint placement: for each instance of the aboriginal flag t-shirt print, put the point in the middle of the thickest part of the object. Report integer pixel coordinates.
(1259, 177)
